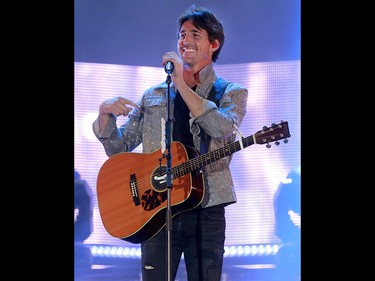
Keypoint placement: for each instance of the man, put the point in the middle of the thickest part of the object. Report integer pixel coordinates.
(202, 120)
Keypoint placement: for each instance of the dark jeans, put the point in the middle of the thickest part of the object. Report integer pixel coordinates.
(200, 235)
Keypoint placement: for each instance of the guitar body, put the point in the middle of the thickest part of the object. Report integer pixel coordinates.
(132, 192)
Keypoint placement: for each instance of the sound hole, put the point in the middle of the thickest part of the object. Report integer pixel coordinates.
(159, 179)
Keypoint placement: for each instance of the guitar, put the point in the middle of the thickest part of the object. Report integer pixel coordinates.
(132, 187)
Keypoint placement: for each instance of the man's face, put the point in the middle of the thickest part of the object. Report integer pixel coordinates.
(193, 45)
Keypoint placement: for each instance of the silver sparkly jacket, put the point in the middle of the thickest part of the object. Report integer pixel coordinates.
(144, 126)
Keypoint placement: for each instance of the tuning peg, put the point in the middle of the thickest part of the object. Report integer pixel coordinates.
(268, 145)
(265, 128)
(273, 125)
(286, 140)
(277, 142)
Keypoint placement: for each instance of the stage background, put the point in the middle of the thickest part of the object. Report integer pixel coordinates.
(274, 96)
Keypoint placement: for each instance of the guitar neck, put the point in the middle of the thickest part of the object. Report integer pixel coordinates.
(268, 134)
(210, 157)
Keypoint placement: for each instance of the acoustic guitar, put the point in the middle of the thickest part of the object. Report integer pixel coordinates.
(132, 187)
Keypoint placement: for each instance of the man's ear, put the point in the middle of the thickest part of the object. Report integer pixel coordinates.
(215, 45)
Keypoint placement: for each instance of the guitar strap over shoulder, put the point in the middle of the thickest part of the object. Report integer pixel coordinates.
(217, 91)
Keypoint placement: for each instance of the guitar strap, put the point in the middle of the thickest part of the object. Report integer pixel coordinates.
(215, 95)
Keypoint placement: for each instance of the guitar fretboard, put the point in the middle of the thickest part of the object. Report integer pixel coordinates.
(268, 134)
(210, 157)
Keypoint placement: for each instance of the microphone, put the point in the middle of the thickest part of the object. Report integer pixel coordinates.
(169, 67)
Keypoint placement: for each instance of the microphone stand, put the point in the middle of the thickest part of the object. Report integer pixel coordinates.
(168, 140)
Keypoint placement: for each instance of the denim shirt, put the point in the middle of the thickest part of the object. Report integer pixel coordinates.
(144, 126)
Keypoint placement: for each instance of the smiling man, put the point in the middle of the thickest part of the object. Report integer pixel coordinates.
(207, 110)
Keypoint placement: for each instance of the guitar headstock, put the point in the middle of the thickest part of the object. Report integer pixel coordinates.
(273, 134)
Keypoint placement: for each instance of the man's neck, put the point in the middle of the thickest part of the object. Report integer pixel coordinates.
(191, 78)
(191, 74)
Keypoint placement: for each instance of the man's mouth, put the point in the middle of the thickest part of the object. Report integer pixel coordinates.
(188, 50)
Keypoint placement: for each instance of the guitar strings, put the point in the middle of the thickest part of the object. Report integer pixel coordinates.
(192, 164)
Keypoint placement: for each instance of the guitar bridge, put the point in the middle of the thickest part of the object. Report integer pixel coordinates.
(134, 189)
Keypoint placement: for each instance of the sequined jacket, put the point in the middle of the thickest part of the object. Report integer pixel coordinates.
(144, 126)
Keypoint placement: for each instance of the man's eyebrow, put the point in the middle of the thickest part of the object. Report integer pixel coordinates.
(191, 31)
